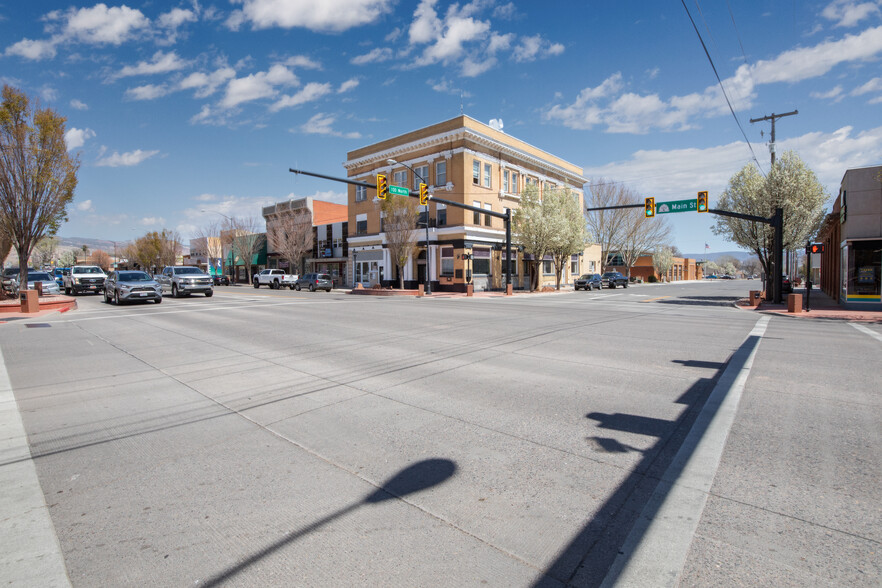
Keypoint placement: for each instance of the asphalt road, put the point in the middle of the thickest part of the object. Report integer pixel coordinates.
(279, 438)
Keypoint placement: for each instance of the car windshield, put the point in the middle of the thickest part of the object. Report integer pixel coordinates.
(182, 271)
(87, 270)
(39, 277)
(10, 271)
(585, 277)
(134, 277)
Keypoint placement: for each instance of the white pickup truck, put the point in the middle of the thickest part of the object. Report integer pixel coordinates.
(274, 278)
(84, 278)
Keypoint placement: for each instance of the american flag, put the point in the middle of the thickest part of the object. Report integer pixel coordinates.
(706, 246)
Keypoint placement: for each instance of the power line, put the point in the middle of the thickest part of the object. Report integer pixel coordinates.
(722, 88)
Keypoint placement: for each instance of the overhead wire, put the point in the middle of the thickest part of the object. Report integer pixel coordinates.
(722, 88)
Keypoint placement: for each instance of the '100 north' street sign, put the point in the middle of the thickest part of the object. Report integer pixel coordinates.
(677, 206)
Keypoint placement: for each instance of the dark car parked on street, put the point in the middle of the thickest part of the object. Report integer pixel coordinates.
(588, 282)
(613, 279)
(313, 282)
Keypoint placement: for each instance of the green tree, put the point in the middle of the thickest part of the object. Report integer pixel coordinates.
(790, 185)
(37, 175)
(569, 235)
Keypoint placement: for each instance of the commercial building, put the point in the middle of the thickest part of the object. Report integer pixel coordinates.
(464, 161)
(852, 238)
(329, 250)
(682, 268)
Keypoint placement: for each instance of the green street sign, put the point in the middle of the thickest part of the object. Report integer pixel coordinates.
(676, 206)
(399, 191)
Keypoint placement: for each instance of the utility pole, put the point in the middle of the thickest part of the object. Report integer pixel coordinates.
(773, 118)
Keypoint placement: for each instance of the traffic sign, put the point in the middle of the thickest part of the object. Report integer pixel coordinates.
(399, 191)
(677, 206)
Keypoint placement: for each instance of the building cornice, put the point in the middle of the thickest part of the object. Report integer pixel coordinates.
(377, 160)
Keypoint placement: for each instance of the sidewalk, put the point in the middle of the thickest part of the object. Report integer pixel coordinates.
(10, 309)
(822, 307)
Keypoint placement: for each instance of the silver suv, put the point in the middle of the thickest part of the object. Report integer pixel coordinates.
(314, 282)
(183, 280)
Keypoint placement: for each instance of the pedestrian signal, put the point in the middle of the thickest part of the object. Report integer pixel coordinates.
(382, 187)
(815, 248)
(702, 202)
(649, 207)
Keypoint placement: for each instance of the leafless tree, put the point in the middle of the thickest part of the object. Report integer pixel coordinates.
(607, 227)
(399, 225)
(292, 236)
(212, 239)
(246, 241)
(641, 236)
(37, 175)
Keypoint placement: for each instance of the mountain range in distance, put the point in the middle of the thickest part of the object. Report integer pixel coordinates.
(68, 243)
(713, 256)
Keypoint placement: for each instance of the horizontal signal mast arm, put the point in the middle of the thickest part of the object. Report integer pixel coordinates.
(616, 207)
(324, 177)
(759, 219)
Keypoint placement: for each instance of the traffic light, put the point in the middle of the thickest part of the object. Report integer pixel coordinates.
(382, 187)
(815, 248)
(649, 207)
(702, 202)
(424, 194)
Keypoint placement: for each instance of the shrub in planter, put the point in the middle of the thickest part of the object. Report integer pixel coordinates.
(652, 279)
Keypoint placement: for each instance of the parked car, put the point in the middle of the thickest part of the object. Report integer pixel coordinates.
(786, 285)
(711, 277)
(183, 280)
(274, 278)
(588, 282)
(129, 285)
(314, 282)
(220, 280)
(728, 277)
(10, 275)
(60, 272)
(613, 279)
(84, 278)
(47, 281)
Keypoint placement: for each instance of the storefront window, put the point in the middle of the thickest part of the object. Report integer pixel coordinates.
(864, 265)
(481, 261)
(447, 261)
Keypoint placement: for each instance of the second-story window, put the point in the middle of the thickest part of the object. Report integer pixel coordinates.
(476, 172)
(513, 187)
(441, 173)
(441, 215)
(361, 224)
(422, 171)
(486, 175)
(360, 193)
(476, 216)
(488, 220)
(399, 178)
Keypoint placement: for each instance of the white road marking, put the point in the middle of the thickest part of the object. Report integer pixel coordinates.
(867, 330)
(655, 550)
(30, 554)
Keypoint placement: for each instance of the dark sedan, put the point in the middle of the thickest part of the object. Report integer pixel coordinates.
(588, 282)
(786, 285)
(127, 286)
(613, 279)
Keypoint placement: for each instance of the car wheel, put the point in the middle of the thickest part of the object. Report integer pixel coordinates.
(297, 287)
(158, 300)
(625, 285)
(209, 294)
(312, 287)
(174, 290)
(67, 291)
(276, 285)
(256, 284)
(106, 297)
(291, 286)
(116, 298)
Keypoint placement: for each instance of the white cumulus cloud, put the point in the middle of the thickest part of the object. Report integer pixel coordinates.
(316, 15)
(260, 85)
(125, 159)
(33, 50)
(101, 24)
(160, 64)
(310, 92)
(85, 206)
(76, 138)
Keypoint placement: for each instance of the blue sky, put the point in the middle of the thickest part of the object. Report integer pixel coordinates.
(182, 110)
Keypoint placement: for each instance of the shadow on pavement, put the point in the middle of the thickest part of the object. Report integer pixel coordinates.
(700, 300)
(414, 478)
(587, 560)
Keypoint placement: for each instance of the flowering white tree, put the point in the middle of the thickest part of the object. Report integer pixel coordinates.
(569, 234)
(663, 261)
(792, 186)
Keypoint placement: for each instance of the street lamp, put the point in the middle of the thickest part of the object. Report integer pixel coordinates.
(428, 289)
